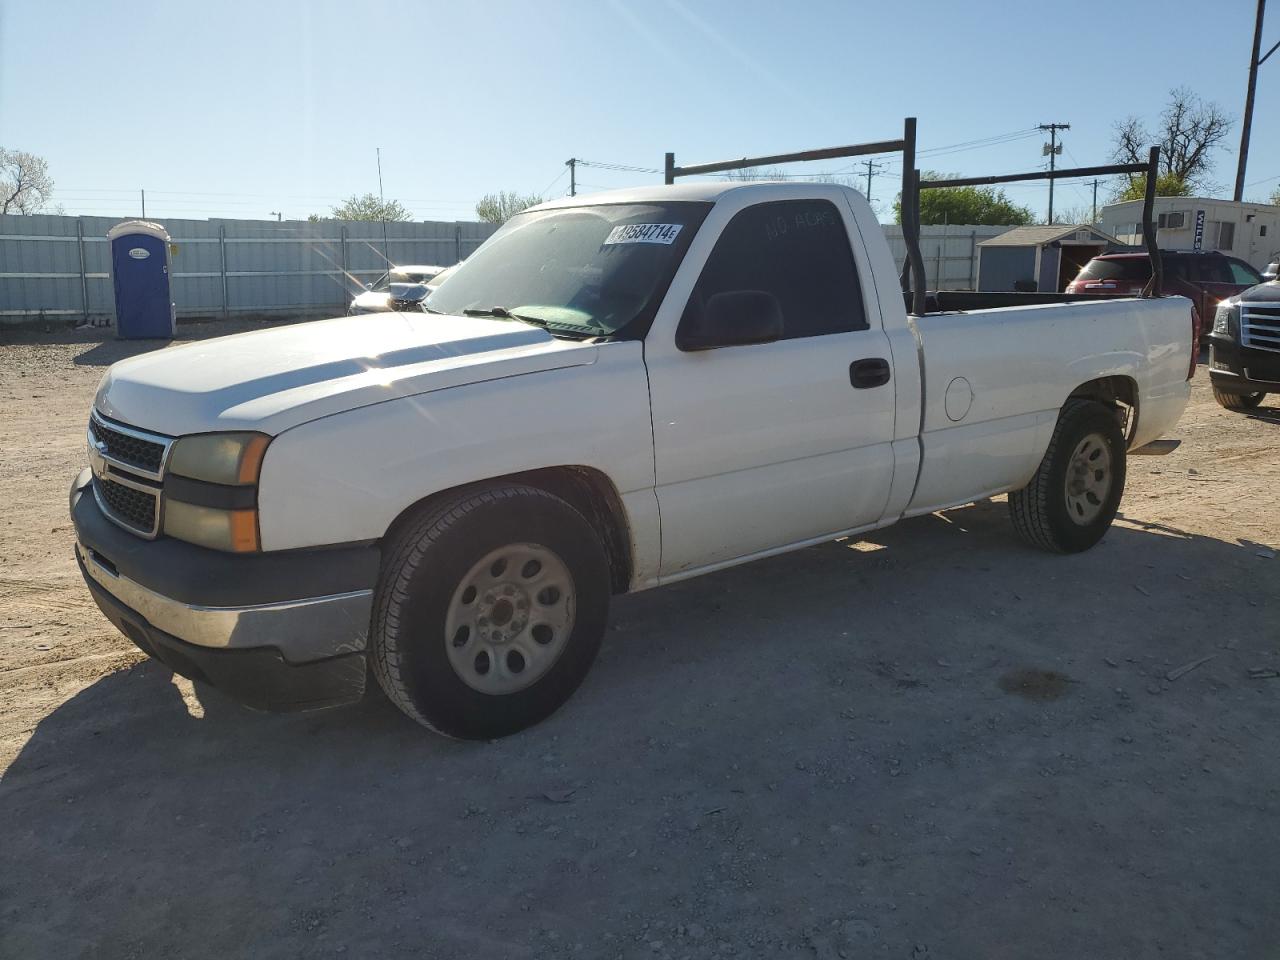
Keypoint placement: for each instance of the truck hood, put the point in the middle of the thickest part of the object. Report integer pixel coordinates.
(1262, 293)
(271, 380)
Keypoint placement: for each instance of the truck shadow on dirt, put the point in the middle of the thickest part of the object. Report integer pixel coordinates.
(1265, 414)
(807, 756)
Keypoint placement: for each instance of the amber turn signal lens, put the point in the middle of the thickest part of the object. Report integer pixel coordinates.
(251, 459)
(244, 529)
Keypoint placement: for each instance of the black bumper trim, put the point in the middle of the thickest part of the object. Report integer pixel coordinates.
(196, 575)
(1244, 369)
(259, 677)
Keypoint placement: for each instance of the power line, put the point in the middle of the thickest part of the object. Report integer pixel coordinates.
(979, 144)
(129, 194)
(945, 149)
(558, 177)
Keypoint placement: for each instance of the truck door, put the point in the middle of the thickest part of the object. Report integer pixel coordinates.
(763, 445)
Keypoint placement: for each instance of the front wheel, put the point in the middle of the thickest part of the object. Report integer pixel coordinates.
(490, 610)
(1238, 401)
(1073, 497)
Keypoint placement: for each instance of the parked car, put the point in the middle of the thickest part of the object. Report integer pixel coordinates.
(399, 289)
(622, 391)
(1244, 347)
(1203, 277)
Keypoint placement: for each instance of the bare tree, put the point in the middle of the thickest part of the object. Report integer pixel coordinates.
(25, 184)
(1073, 216)
(757, 173)
(1189, 132)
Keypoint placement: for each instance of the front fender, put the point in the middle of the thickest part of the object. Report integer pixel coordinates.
(346, 477)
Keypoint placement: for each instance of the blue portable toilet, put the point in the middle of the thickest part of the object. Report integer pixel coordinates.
(140, 275)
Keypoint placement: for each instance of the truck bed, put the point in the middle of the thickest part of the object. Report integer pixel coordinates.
(951, 301)
(996, 376)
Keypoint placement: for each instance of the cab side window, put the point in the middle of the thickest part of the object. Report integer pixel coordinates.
(797, 250)
(1241, 272)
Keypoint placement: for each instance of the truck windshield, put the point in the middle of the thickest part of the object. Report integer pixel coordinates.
(589, 269)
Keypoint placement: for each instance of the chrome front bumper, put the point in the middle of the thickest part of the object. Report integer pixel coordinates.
(283, 631)
(302, 630)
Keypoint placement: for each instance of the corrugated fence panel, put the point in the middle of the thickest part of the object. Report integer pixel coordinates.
(950, 253)
(264, 265)
(61, 266)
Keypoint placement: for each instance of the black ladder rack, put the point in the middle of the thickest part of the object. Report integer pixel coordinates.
(913, 269)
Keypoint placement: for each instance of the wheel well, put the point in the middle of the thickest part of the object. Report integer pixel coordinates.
(1118, 392)
(587, 490)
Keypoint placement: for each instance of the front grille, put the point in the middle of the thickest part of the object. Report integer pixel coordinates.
(1260, 326)
(131, 507)
(144, 454)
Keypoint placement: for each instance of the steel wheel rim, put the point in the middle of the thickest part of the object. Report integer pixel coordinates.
(510, 618)
(1089, 477)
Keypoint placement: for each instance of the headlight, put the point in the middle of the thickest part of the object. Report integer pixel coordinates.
(209, 500)
(1226, 321)
(230, 458)
(235, 531)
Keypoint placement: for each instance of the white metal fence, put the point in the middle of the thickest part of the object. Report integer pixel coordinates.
(59, 267)
(950, 253)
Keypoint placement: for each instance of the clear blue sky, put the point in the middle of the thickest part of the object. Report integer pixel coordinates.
(239, 109)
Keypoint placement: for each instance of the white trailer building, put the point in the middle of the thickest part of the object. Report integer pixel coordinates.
(1250, 231)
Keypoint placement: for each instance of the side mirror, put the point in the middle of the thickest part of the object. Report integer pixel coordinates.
(730, 319)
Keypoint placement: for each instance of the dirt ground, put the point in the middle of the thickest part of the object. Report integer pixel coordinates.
(827, 754)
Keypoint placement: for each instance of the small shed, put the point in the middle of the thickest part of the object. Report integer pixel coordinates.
(1039, 259)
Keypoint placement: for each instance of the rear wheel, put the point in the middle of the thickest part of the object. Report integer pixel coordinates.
(490, 610)
(1075, 493)
(1238, 401)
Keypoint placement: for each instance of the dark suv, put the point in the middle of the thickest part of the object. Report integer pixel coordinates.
(1203, 277)
(1244, 347)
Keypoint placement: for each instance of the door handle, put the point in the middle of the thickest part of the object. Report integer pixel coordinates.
(873, 372)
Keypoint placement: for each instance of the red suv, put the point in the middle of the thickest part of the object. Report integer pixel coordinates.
(1203, 277)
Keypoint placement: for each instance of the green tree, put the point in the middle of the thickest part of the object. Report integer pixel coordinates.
(502, 206)
(1167, 185)
(367, 207)
(976, 205)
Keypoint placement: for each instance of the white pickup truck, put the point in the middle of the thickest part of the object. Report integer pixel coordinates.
(613, 393)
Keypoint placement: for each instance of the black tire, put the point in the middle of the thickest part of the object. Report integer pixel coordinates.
(1238, 401)
(1041, 511)
(423, 565)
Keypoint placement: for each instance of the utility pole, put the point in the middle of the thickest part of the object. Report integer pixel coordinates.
(1053, 148)
(144, 203)
(872, 167)
(1247, 125)
(1095, 201)
(572, 164)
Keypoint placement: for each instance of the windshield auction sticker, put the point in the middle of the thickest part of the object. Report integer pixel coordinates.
(644, 233)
